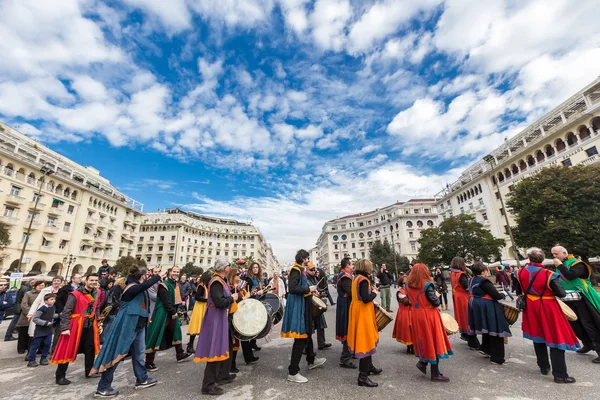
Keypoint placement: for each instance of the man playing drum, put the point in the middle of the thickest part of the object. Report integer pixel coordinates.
(297, 320)
(320, 323)
(344, 290)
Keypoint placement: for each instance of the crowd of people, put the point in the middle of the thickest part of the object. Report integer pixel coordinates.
(109, 319)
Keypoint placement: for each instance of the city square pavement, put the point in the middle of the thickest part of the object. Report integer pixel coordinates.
(471, 375)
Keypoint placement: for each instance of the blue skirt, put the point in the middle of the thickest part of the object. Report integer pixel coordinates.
(486, 316)
(341, 318)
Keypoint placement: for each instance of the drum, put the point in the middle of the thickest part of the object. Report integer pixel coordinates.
(250, 319)
(318, 307)
(511, 313)
(269, 323)
(450, 324)
(382, 317)
(275, 304)
(572, 295)
(570, 314)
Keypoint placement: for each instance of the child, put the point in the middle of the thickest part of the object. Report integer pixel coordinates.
(42, 319)
(402, 328)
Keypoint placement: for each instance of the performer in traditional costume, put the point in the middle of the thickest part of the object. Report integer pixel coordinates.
(430, 339)
(297, 319)
(402, 325)
(200, 296)
(344, 299)
(79, 330)
(127, 333)
(319, 323)
(543, 320)
(215, 345)
(234, 280)
(164, 330)
(582, 298)
(486, 316)
(362, 326)
(460, 299)
(255, 287)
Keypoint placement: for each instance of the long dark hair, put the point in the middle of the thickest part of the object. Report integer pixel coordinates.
(458, 263)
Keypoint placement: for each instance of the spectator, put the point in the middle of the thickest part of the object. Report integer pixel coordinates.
(8, 336)
(57, 282)
(23, 322)
(59, 305)
(385, 286)
(6, 301)
(42, 336)
(105, 269)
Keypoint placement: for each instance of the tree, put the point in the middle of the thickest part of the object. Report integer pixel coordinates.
(4, 238)
(190, 269)
(559, 205)
(383, 253)
(123, 264)
(458, 236)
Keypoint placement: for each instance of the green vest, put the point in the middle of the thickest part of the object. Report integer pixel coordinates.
(582, 285)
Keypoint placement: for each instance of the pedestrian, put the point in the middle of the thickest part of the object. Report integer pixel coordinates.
(57, 283)
(543, 320)
(23, 322)
(61, 299)
(402, 325)
(153, 291)
(185, 288)
(362, 326)
(426, 321)
(440, 286)
(324, 285)
(502, 279)
(385, 286)
(6, 301)
(297, 319)
(8, 335)
(127, 334)
(42, 335)
(280, 288)
(344, 299)
(78, 329)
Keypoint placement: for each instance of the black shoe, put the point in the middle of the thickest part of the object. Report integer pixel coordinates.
(421, 366)
(213, 391)
(363, 380)
(63, 381)
(255, 347)
(325, 346)
(151, 367)
(234, 370)
(10, 339)
(183, 357)
(227, 380)
(348, 365)
(440, 378)
(584, 350)
(568, 379)
(596, 360)
(545, 371)
(373, 370)
(463, 336)
(190, 349)
(252, 360)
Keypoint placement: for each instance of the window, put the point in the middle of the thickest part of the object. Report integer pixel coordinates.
(416, 210)
(335, 246)
(480, 202)
(151, 239)
(361, 224)
(335, 237)
(29, 215)
(462, 210)
(63, 244)
(51, 221)
(9, 211)
(25, 235)
(498, 195)
(251, 245)
(67, 227)
(352, 235)
(158, 259)
(141, 239)
(150, 248)
(420, 224)
(160, 248)
(502, 211)
(361, 235)
(592, 151)
(344, 237)
(337, 257)
(148, 258)
(140, 249)
(363, 254)
(410, 234)
(567, 162)
(172, 248)
(70, 210)
(426, 210)
(170, 258)
(173, 238)
(413, 247)
(15, 190)
(485, 217)
(471, 206)
(362, 244)
(353, 245)
(36, 197)
(409, 224)
(448, 203)
(344, 245)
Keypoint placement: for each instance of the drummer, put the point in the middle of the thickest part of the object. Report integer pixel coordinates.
(460, 300)
(486, 316)
(234, 280)
(255, 287)
(297, 319)
(543, 320)
(344, 291)
(319, 323)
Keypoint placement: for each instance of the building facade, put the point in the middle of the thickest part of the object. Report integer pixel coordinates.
(176, 237)
(353, 235)
(567, 135)
(77, 217)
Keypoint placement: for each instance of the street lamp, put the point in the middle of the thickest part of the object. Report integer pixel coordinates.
(45, 172)
(491, 161)
(69, 260)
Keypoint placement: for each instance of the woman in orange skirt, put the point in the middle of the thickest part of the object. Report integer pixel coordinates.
(401, 330)
(460, 300)
(430, 339)
(362, 326)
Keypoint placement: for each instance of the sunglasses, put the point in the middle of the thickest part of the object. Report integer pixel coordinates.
(312, 270)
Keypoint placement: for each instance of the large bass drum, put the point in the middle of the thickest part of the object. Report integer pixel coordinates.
(275, 303)
(250, 320)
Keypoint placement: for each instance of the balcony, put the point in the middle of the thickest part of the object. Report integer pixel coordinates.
(50, 229)
(39, 205)
(87, 237)
(36, 225)
(99, 239)
(85, 253)
(128, 219)
(9, 220)
(91, 220)
(46, 249)
(103, 223)
(56, 211)
(14, 199)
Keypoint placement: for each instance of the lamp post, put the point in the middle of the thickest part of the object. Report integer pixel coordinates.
(491, 161)
(69, 260)
(394, 249)
(45, 172)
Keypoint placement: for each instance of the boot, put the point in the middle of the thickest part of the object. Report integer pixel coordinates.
(373, 370)
(363, 380)
(584, 350)
(190, 348)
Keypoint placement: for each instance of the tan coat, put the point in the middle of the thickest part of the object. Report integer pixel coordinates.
(28, 300)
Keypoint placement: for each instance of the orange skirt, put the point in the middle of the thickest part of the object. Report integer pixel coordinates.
(461, 310)
(402, 326)
(362, 329)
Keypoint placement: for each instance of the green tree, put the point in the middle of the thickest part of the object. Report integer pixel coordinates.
(123, 264)
(458, 236)
(4, 239)
(190, 269)
(559, 205)
(383, 253)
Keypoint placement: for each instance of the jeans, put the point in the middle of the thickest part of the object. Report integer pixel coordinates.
(138, 347)
(45, 342)
(386, 297)
(11, 327)
(507, 290)
(297, 348)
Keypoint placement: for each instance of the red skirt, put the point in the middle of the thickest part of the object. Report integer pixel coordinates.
(402, 326)
(461, 310)
(544, 322)
(430, 339)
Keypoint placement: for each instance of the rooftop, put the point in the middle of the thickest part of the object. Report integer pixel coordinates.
(398, 203)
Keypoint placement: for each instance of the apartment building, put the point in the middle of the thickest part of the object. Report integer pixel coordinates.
(77, 217)
(353, 235)
(567, 135)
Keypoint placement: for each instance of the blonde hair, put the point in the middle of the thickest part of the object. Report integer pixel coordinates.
(365, 266)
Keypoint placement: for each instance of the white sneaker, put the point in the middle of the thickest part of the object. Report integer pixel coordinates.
(297, 378)
(318, 362)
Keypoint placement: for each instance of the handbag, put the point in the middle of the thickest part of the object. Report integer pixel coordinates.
(521, 302)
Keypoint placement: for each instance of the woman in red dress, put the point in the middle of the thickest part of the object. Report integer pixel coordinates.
(460, 300)
(430, 339)
(543, 320)
(402, 325)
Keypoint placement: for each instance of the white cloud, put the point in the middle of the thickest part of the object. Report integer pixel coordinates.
(173, 14)
(89, 89)
(329, 19)
(234, 12)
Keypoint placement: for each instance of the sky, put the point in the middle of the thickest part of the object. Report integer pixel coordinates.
(287, 113)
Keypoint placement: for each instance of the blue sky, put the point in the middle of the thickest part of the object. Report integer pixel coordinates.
(287, 112)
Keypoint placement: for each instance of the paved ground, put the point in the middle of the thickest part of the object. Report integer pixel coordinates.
(472, 376)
